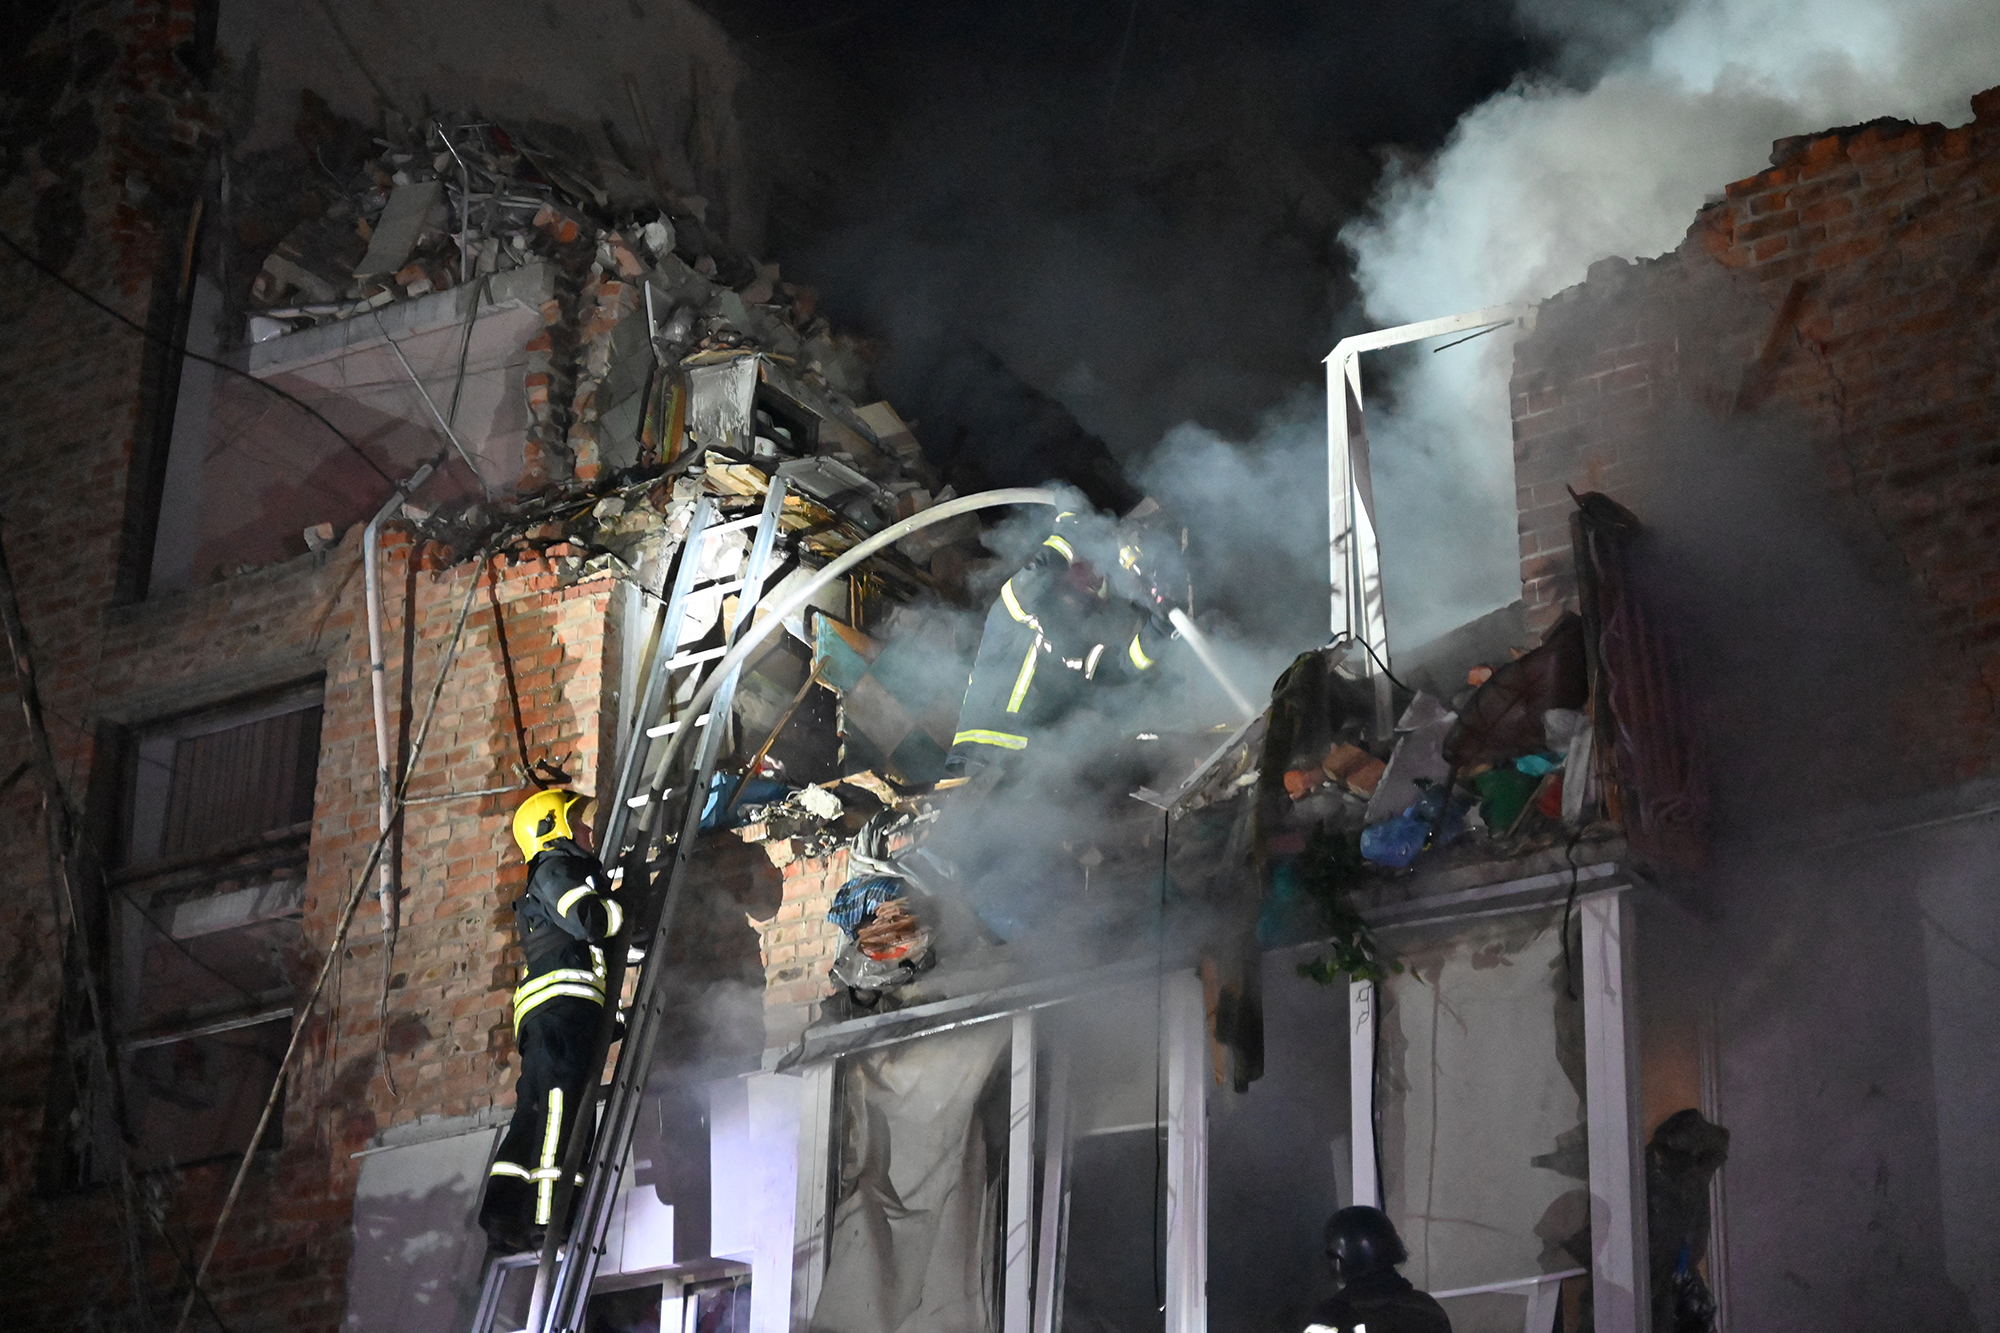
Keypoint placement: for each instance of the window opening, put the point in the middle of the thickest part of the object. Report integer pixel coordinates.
(208, 908)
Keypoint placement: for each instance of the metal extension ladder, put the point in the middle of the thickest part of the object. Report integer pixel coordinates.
(633, 838)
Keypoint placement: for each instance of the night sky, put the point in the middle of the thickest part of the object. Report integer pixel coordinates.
(1134, 205)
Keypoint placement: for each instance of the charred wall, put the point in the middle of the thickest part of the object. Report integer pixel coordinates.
(1836, 310)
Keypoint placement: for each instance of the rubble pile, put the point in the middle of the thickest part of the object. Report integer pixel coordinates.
(1507, 766)
(646, 300)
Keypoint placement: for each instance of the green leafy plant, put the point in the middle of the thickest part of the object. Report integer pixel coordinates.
(1327, 870)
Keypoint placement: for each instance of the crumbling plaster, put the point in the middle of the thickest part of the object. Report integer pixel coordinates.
(1833, 967)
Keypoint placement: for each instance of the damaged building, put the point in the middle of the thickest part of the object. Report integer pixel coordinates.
(472, 455)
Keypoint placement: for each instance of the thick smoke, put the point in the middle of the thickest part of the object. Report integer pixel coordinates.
(1542, 180)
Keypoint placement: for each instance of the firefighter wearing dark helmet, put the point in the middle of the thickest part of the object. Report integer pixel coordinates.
(1058, 628)
(565, 915)
(1363, 1249)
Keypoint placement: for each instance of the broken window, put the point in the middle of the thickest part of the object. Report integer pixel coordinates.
(1110, 1186)
(1278, 1158)
(208, 906)
(1047, 1160)
(915, 1236)
(1479, 1094)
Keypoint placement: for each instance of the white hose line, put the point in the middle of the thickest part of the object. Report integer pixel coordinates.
(765, 624)
(1199, 642)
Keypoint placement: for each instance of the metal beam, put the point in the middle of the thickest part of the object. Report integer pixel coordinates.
(1055, 1190)
(1354, 557)
(1186, 1039)
(1361, 1091)
(1018, 1251)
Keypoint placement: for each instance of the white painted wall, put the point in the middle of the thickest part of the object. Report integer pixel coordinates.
(418, 1249)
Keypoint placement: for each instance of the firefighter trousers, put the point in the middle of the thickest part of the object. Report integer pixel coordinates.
(555, 1042)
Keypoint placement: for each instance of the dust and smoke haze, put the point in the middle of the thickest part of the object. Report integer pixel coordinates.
(1163, 219)
(1651, 110)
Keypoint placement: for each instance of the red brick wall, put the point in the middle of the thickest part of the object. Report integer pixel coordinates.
(447, 1037)
(798, 945)
(72, 421)
(1852, 289)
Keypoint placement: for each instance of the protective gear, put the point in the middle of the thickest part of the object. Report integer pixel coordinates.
(555, 1042)
(1152, 559)
(1053, 632)
(566, 913)
(1383, 1302)
(1361, 1241)
(545, 817)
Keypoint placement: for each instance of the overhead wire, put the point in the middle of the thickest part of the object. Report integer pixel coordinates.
(299, 1022)
(1382, 666)
(181, 348)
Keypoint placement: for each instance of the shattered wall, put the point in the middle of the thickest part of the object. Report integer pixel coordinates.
(104, 160)
(1800, 402)
(105, 152)
(438, 1023)
(1845, 297)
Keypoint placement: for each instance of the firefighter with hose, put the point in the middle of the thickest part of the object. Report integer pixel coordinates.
(563, 921)
(1088, 609)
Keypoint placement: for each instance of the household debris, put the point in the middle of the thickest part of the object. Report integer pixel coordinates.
(671, 370)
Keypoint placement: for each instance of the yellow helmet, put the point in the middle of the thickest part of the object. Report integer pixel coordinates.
(543, 818)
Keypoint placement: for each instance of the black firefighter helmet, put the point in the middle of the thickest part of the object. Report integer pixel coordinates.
(1362, 1241)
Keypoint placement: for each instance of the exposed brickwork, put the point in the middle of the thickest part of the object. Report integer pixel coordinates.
(799, 944)
(107, 121)
(115, 133)
(1851, 289)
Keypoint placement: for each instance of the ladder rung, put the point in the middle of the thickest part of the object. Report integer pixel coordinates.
(644, 799)
(689, 659)
(734, 585)
(732, 525)
(669, 728)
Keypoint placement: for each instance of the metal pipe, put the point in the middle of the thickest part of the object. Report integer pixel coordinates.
(1354, 555)
(378, 679)
(464, 204)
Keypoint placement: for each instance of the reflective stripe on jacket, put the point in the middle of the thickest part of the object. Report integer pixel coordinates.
(584, 983)
(1045, 642)
(562, 918)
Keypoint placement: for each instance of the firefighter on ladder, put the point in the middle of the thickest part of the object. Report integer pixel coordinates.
(1058, 628)
(567, 913)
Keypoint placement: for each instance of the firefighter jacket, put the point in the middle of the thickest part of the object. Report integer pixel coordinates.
(1049, 637)
(565, 914)
(1381, 1303)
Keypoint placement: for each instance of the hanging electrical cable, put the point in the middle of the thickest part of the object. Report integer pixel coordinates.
(181, 349)
(354, 897)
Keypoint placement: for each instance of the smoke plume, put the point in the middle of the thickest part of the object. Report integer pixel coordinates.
(1661, 107)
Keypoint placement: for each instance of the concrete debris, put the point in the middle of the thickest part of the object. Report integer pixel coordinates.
(408, 212)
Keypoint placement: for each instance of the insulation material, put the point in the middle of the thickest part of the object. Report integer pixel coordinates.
(721, 400)
(1479, 1091)
(916, 1215)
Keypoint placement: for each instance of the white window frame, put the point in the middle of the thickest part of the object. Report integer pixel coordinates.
(1354, 556)
(789, 1264)
(1608, 971)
